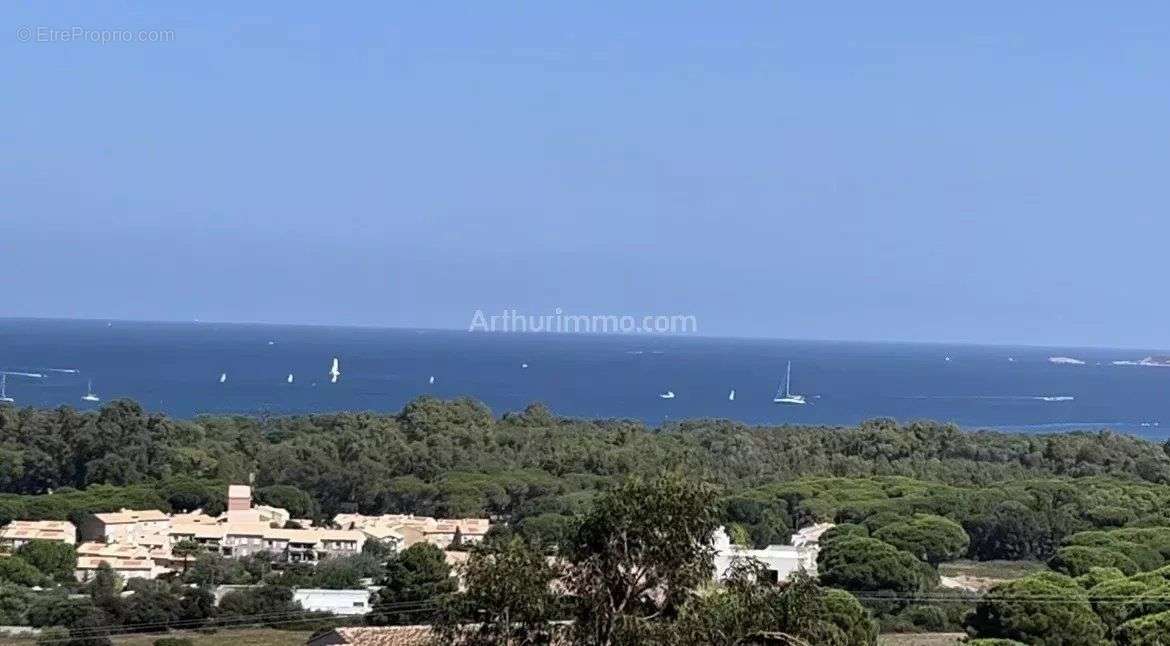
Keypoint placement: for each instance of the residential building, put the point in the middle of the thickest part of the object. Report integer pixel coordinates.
(441, 532)
(287, 545)
(19, 532)
(239, 498)
(390, 537)
(780, 561)
(123, 526)
(140, 568)
(135, 561)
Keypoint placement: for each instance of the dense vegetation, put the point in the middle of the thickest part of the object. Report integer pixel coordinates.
(1096, 506)
(1014, 494)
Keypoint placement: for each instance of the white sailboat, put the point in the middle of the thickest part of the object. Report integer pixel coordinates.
(4, 398)
(89, 396)
(787, 397)
(731, 395)
(667, 395)
(431, 380)
(524, 365)
(290, 378)
(335, 371)
(222, 377)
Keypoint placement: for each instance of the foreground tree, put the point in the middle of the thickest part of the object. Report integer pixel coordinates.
(637, 555)
(186, 549)
(52, 558)
(743, 610)
(272, 604)
(508, 600)
(416, 580)
(14, 603)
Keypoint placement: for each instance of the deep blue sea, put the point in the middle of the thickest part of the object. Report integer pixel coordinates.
(175, 368)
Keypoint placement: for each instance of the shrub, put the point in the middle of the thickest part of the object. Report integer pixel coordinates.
(931, 538)
(926, 617)
(872, 565)
(173, 641)
(1076, 560)
(1105, 598)
(1150, 630)
(1097, 575)
(1019, 610)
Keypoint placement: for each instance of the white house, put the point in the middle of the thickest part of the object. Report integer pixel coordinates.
(781, 561)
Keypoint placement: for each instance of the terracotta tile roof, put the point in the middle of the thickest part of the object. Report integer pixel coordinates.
(426, 524)
(112, 550)
(131, 516)
(92, 563)
(47, 530)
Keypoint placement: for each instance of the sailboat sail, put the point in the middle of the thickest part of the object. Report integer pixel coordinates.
(786, 397)
(89, 396)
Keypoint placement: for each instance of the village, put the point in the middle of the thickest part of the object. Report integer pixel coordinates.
(149, 543)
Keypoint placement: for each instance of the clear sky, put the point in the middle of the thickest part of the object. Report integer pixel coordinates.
(934, 171)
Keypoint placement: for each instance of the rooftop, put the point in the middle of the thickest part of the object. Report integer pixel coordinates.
(48, 530)
(131, 516)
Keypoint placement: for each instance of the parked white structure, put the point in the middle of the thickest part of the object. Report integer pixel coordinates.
(781, 561)
(338, 602)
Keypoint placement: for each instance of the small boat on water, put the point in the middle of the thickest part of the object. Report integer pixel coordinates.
(335, 371)
(89, 396)
(786, 396)
(667, 395)
(431, 380)
(731, 395)
(4, 398)
(290, 378)
(222, 377)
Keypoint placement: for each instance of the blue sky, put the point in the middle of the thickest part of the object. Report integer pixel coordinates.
(992, 172)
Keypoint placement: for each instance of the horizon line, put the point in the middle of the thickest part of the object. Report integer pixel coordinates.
(696, 336)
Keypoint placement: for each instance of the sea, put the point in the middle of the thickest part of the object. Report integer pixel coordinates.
(176, 368)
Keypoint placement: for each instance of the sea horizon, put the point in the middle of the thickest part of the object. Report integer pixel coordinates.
(175, 368)
(701, 336)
